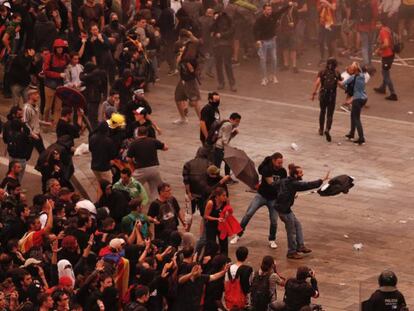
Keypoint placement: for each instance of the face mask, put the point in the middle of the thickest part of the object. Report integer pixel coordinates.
(215, 104)
(115, 23)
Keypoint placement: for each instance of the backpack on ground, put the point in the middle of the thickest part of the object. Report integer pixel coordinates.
(234, 296)
(213, 133)
(260, 292)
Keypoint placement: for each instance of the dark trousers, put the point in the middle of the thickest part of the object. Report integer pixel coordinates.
(386, 75)
(326, 37)
(38, 145)
(218, 158)
(223, 54)
(93, 108)
(356, 123)
(213, 234)
(327, 104)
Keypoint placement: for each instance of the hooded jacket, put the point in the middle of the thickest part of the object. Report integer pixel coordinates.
(54, 65)
(44, 32)
(287, 189)
(195, 172)
(95, 82)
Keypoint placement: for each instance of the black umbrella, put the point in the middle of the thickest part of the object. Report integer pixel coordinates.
(338, 184)
(241, 165)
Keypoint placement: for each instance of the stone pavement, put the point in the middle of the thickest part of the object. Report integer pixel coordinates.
(378, 211)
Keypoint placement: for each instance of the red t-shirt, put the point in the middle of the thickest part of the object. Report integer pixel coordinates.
(385, 35)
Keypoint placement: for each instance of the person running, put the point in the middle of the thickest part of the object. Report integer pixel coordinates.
(271, 170)
(286, 196)
(327, 82)
(356, 83)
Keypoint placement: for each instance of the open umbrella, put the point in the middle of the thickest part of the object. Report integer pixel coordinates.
(73, 98)
(241, 165)
(338, 184)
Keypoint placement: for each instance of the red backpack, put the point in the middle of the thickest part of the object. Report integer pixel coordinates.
(234, 297)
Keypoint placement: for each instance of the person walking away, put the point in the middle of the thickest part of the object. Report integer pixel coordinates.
(386, 52)
(356, 82)
(227, 131)
(53, 69)
(289, 38)
(271, 170)
(222, 32)
(142, 156)
(264, 31)
(206, 22)
(287, 190)
(214, 206)
(327, 83)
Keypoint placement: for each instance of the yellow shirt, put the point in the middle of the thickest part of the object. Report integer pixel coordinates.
(408, 2)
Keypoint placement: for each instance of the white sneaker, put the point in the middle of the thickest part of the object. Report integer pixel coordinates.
(180, 121)
(264, 82)
(275, 80)
(272, 244)
(235, 239)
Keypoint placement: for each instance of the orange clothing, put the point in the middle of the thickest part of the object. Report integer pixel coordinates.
(385, 35)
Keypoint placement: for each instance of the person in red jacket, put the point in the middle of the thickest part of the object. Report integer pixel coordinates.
(54, 66)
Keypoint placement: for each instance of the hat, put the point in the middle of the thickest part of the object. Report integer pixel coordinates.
(117, 244)
(86, 204)
(65, 281)
(139, 92)
(213, 170)
(30, 261)
(116, 120)
(141, 110)
(32, 90)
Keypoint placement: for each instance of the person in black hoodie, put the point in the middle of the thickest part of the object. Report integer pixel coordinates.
(95, 82)
(287, 189)
(272, 171)
(44, 33)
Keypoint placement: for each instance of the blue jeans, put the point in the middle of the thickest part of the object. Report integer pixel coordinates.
(386, 75)
(294, 232)
(356, 123)
(268, 46)
(257, 202)
(366, 47)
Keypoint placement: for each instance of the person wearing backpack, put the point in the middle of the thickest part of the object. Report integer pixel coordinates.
(263, 292)
(386, 51)
(286, 195)
(237, 281)
(327, 83)
(366, 17)
(227, 131)
(210, 116)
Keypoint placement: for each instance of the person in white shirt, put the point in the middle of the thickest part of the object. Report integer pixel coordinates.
(73, 71)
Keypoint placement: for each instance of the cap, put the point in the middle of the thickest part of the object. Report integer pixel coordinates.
(139, 92)
(213, 170)
(30, 261)
(86, 204)
(117, 244)
(141, 110)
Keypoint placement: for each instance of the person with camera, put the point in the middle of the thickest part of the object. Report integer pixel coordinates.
(299, 291)
(387, 297)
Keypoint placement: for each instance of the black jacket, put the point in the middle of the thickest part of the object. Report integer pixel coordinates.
(224, 26)
(95, 81)
(298, 293)
(195, 173)
(20, 70)
(16, 137)
(103, 150)
(265, 26)
(44, 33)
(287, 192)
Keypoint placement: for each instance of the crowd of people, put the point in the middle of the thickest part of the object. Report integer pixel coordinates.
(132, 249)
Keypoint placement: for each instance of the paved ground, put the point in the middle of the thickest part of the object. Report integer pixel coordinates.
(378, 212)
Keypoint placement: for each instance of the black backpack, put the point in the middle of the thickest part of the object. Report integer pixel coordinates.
(213, 132)
(260, 292)
(364, 12)
(329, 81)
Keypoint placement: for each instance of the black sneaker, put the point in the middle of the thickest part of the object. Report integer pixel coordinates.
(379, 90)
(392, 97)
(328, 136)
(320, 131)
(359, 142)
(349, 137)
